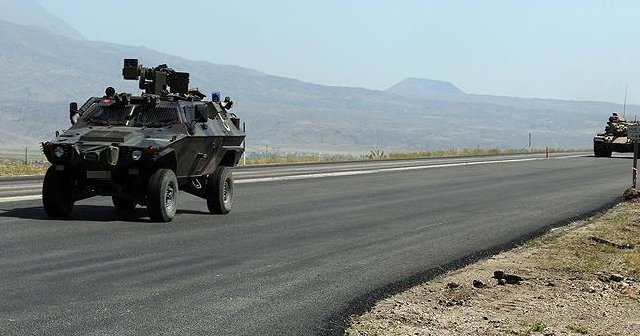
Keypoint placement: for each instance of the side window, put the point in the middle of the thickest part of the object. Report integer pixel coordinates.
(88, 104)
(189, 113)
(205, 110)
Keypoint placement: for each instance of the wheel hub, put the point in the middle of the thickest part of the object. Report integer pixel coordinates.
(169, 198)
(227, 193)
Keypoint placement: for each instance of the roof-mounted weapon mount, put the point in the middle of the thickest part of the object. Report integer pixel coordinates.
(159, 80)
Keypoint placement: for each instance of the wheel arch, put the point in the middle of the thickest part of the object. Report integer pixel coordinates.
(231, 157)
(167, 160)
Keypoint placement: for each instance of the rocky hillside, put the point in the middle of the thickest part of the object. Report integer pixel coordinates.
(44, 69)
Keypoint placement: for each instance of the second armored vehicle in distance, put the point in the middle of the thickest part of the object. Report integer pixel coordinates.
(145, 149)
(614, 139)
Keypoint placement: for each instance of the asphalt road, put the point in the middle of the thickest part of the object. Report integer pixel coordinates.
(302, 245)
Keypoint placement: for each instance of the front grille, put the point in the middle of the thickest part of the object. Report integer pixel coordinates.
(106, 136)
(92, 156)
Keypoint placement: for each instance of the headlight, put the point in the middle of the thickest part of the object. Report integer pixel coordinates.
(136, 155)
(58, 152)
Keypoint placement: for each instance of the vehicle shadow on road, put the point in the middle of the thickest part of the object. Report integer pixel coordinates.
(615, 157)
(192, 212)
(86, 213)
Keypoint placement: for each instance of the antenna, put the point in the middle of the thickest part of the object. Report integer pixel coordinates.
(624, 105)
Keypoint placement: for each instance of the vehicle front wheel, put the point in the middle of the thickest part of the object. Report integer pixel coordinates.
(162, 195)
(56, 193)
(220, 191)
(601, 150)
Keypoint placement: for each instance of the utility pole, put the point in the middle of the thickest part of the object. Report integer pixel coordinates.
(26, 158)
(635, 165)
(633, 132)
(244, 144)
(529, 140)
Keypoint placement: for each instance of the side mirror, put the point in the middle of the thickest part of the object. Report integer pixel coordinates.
(73, 113)
(227, 103)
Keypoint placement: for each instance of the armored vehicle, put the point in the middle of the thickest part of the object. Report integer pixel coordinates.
(143, 150)
(614, 138)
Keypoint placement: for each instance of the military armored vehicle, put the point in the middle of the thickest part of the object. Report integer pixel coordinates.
(143, 150)
(614, 138)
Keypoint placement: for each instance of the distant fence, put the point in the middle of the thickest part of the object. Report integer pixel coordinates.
(22, 155)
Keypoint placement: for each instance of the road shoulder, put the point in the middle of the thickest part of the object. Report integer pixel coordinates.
(580, 279)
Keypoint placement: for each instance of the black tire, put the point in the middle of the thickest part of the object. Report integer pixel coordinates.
(123, 204)
(220, 191)
(597, 150)
(601, 150)
(56, 193)
(162, 195)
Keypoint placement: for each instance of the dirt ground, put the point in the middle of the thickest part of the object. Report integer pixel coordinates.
(577, 280)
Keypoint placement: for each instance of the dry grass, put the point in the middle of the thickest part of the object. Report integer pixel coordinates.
(299, 158)
(576, 251)
(456, 152)
(568, 288)
(22, 169)
(381, 155)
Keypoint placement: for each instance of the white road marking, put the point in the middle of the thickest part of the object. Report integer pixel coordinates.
(569, 156)
(338, 174)
(20, 198)
(380, 170)
(22, 186)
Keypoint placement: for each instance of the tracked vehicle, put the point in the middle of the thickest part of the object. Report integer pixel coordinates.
(614, 138)
(143, 150)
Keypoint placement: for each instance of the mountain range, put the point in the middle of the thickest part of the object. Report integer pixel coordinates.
(46, 64)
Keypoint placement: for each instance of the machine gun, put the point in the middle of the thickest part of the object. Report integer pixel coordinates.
(159, 80)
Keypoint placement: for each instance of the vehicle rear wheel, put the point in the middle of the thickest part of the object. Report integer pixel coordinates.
(122, 204)
(220, 191)
(56, 193)
(162, 195)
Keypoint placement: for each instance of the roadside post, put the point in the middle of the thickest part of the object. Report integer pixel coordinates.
(633, 131)
(244, 145)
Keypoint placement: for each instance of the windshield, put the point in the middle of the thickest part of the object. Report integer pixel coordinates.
(130, 115)
(154, 116)
(107, 115)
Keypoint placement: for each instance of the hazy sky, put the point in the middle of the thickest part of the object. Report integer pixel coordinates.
(580, 49)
